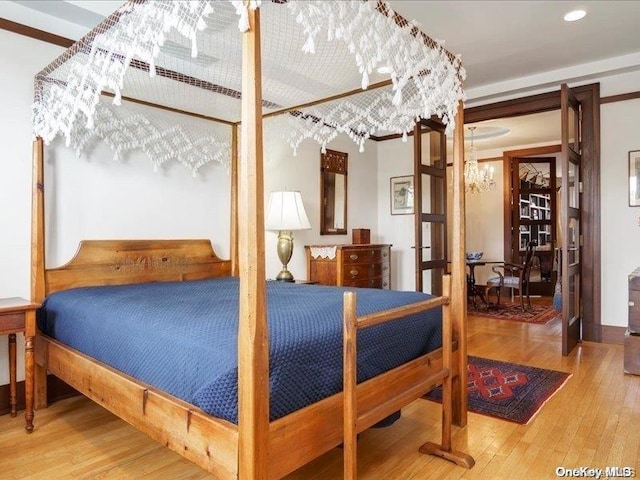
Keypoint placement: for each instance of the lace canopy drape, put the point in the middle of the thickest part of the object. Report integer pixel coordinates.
(186, 56)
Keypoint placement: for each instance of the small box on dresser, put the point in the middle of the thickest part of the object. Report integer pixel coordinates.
(632, 335)
(360, 236)
(350, 265)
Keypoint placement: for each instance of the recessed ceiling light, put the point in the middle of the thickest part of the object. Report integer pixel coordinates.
(574, 15)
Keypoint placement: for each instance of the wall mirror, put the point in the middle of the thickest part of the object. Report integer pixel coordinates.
(333, 193)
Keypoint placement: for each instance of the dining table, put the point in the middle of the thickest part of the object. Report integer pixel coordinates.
(473, 290)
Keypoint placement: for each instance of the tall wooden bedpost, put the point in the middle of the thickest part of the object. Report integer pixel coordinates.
(234, 201)
(253, 344)
(458, 271)
(37, 258)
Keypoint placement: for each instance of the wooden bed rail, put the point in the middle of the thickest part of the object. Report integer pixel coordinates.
(389, 401)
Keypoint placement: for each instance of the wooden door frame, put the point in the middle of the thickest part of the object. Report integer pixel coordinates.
(589, 96)
(507, 158)
(438, 194)
(509, 231)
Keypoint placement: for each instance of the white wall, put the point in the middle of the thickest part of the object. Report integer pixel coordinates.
(20, 59)
(484, 221)
(283, 171)
(620, 222)
(395, 159)
(96, 197)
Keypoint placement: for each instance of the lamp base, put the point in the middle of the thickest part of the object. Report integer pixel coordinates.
(285, 250)
(284, 276)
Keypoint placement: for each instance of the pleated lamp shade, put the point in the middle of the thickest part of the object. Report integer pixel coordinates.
(286, 212)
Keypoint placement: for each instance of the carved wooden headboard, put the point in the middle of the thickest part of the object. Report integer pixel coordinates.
(117, 262)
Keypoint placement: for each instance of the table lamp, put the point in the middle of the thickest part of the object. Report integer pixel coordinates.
(285, 214)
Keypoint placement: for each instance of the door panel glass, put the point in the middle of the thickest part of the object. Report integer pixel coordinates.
(573, 239)
(433, 194)
(525, 237)
(427, 287)
(533, 184)
(574, 129)
(435, 238)
(544, 237)
(534, 175)
(432, 148)
(574, 295)
(432, 281)
(543, 264)
(574, 191)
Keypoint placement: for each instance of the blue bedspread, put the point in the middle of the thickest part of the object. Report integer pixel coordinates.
(181, 337)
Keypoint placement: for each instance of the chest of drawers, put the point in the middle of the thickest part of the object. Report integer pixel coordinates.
(632, 335)
(365, 265)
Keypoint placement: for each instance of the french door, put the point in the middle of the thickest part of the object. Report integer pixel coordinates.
(570, 216)
(533, 217)
(430, 204)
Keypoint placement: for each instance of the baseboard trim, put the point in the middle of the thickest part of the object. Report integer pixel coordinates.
(56, 390)
(610, 334)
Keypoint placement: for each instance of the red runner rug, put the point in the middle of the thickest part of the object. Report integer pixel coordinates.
(508, 391)
(539, 313)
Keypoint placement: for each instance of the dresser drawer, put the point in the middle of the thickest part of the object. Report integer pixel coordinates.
(364, 255)
(367, 266)
(376, 282)
(361, 272)
(634, 311)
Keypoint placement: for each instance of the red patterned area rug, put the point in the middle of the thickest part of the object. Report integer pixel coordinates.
(507, 391)
(539, 313)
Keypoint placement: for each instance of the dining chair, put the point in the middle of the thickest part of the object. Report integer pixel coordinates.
(514, 276)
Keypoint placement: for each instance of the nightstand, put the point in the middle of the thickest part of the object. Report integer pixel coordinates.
(19, 315)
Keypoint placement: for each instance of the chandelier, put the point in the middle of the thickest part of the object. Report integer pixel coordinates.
(477, 180)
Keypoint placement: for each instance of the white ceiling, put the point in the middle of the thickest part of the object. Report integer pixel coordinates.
(525, 130)
(499, 41)
(503, 40)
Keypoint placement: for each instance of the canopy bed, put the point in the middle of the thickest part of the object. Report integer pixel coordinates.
(301, 81)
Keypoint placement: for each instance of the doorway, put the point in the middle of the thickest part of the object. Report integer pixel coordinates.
(588, 97)
(531, 213)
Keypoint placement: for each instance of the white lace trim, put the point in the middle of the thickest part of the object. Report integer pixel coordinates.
(161, 143)
(372, 38)
(324, 252)
(242, 9)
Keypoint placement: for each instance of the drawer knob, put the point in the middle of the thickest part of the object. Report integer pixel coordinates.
(354, 272)
(353, 256)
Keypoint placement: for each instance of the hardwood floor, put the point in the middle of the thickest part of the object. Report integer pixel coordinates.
(593, 421)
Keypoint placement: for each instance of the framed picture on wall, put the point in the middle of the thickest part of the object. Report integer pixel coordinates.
(634, 178)
(402, 195)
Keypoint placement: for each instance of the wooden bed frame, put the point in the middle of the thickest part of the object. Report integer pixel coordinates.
(210, 442)
(255, 448)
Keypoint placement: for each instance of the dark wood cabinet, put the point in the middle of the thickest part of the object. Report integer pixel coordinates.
(365, 265)
(632, 335)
